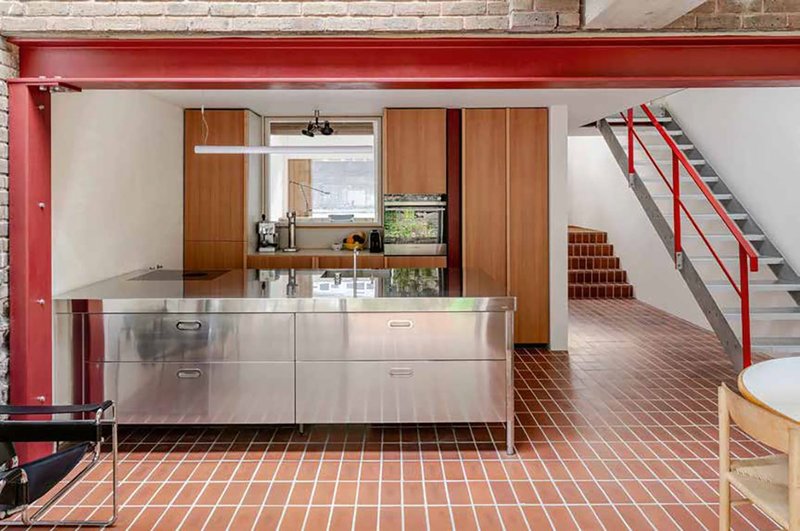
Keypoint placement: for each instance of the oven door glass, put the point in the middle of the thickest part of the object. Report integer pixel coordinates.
(413, 225)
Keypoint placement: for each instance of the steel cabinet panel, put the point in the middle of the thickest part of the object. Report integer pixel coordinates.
(199, 393)
(401, 336)
(192, 337)
(416, 391)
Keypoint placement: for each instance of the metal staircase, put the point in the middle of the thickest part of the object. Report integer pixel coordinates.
(749, 294)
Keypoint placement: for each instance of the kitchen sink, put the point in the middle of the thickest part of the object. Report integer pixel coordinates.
(362, 273)
(178, 274)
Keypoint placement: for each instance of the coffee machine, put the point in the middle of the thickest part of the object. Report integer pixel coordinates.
(267, 236)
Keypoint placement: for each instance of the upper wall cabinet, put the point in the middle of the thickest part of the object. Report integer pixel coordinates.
(415, 154)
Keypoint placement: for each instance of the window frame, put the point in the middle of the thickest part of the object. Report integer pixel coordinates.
(377, 126)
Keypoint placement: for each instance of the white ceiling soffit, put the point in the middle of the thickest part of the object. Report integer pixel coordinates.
(635, 14)
(584, 105)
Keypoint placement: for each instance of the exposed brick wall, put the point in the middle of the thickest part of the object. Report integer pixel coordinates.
(290, 17)
(742, 15)
(544, 15)
(259, 17)
(8, 68)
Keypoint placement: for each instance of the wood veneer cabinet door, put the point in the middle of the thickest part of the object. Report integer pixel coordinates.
(215, 186)
(416, 262)
(484, 201)
(528, 236)
(364, 261)
(213, 255)
(280, 261)
(415, 154)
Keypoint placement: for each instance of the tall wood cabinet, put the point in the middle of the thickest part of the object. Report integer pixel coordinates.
(415, 151)
(505, 212)
(216, 227)
(483, 200)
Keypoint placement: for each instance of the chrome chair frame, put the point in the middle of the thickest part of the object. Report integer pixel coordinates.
(101, 421)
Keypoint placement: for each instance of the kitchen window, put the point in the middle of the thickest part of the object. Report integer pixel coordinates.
(324, 188)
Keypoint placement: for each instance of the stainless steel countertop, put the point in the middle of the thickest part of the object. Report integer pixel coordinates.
(258, 291)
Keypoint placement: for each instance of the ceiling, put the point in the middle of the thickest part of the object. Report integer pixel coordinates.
(584, 105)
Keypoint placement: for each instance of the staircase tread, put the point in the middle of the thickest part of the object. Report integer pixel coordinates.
(714, 215)
(704, 178)
(759, 285)
(779, 342)
(601, 270)
(692, 196)
(638, 118)
(763, 259)
(600, 284)
(751, 237)
(777, 310)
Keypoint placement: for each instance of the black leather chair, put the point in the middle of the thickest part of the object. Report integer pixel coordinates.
(82, 433)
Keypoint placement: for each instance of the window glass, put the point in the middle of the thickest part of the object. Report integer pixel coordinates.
(324, 187)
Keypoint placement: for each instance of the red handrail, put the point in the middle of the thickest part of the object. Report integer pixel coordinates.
(716, 205)
(689, 216)
(748, 257)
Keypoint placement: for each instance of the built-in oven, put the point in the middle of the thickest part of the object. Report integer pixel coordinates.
(415, 225)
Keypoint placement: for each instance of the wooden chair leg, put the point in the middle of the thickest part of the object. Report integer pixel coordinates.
(724, 462)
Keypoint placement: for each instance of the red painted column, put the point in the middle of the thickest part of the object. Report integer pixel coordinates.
(30, 290)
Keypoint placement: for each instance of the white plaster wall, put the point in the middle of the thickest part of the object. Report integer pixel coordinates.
(558, 207)
(599, 198)
(117, 183)
(752, 139)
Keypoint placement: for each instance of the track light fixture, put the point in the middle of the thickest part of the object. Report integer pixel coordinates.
(314, 126)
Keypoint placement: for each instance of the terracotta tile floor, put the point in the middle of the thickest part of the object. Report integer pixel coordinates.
(619, 433)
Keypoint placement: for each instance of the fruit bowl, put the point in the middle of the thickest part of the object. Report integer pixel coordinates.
(355, 240)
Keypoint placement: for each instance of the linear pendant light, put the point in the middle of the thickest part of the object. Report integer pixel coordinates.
(279, 150)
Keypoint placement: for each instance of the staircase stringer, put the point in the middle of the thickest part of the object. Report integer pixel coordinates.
(719, 324)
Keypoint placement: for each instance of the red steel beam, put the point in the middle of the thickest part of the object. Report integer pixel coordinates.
(503, 62)
(30, 252)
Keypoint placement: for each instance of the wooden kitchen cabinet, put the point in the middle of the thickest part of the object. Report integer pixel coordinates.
(280, 261)
(215, 211)
(415, 151)
(483, 200)
(213, 255)
(505, 212)
(416, 262)
(528, 227)
(364, 261)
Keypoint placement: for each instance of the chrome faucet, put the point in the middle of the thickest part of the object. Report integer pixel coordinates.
(292, 218)
(355, 271)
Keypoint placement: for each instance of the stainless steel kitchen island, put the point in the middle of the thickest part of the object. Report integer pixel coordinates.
(278, 346)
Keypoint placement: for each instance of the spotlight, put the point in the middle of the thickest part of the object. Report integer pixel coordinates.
(314, 126)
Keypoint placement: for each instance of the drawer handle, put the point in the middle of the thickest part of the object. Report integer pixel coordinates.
(189, 374)
(401, 373)
(189, 325)
(400, 323)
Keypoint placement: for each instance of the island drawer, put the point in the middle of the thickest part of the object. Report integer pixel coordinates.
(401, 336)
(196, 393)
(191, 337)
(417, 391)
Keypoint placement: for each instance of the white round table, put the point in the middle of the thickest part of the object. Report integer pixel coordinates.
(774, 385)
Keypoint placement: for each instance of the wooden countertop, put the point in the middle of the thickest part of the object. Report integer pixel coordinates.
(317, 252)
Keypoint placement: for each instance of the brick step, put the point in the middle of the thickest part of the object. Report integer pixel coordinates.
(591, 249)
(598, 276)
(593, 262)
(587, 236)
(600, 291)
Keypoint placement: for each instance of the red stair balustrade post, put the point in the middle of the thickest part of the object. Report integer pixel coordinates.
(744, 291)
(631, 168)
(676, 209)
